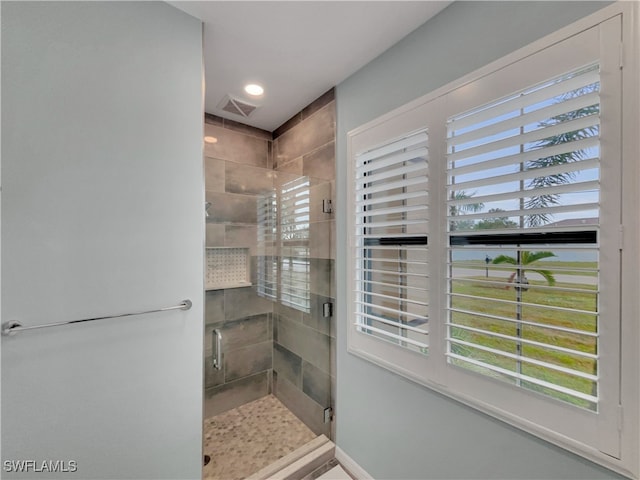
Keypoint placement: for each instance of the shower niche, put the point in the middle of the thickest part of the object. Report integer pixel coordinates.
(227, 267)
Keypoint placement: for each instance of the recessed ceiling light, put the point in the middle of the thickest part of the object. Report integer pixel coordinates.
(210, 140)
(254, 89)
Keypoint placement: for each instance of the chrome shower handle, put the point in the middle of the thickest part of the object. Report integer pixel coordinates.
(216, 338)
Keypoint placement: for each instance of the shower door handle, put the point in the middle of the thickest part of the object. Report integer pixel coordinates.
(216, 338)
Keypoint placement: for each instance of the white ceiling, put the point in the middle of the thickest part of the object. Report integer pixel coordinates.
(296, 50)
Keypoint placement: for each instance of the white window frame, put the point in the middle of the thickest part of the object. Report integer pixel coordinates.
(615, 443)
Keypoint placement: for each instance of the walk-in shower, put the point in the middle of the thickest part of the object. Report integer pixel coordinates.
(270, 335)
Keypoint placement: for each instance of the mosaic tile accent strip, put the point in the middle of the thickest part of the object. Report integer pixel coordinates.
(250, 437)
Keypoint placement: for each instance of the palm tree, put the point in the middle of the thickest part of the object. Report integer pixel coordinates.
(525, 259)
(456, 210)
(547, 200)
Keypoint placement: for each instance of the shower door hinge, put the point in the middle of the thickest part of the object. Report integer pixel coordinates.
(328, 414)
(327, 310)
(327, 207)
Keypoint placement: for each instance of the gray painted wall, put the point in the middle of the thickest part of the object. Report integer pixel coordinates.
(102, 213)
(393, 428)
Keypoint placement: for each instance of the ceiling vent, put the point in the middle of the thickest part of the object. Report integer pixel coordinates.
(236, 106)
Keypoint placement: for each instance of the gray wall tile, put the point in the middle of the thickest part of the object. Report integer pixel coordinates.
(246, 179)
(321, 276)
(244, 302)
(231, 208)
(231, 395)
(241, 236)
(324, 99)
(293, 121)
(214, 234)
(236, 147)
(302, 406)
(294, 166)
(303, 138)
(287, 364)
(214, 174)
(248, 360)
(316, 384)
(320, 235)
(287, 312)
(321, 163)
(246, 331)
(281, 178)
(311, 345)
(214, 307)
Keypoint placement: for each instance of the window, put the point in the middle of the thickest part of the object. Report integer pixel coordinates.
(523, 203)
(486, 256)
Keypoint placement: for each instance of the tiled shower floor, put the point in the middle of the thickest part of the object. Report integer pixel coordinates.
(244, 440)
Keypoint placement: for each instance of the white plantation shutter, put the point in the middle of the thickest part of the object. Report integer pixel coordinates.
(524, 188)
(391, 226)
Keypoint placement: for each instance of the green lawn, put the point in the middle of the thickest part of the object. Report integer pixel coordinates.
(585, 301)
(543, 264)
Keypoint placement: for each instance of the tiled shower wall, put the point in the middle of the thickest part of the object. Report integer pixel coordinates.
(237, 171)
(304, 342)
(298, 367)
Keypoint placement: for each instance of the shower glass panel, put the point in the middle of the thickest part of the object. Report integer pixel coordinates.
(269, 196)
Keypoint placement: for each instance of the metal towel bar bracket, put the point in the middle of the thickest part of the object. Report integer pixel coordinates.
(12, 327)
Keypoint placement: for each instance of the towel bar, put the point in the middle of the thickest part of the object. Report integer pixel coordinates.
(12, 327)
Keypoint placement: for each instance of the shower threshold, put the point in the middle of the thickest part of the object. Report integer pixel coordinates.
(301, 463)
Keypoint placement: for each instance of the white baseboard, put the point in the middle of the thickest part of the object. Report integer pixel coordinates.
(351, 466)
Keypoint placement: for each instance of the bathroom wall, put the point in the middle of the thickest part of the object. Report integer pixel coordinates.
(238, 171)
(304, 340)
(394, 428)
(101, 215)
